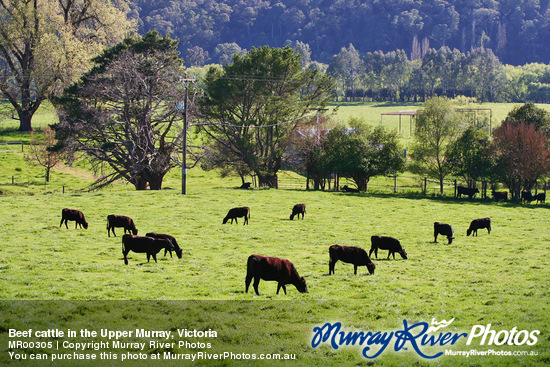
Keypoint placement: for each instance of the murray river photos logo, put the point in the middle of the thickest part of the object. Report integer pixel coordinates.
(417, 336)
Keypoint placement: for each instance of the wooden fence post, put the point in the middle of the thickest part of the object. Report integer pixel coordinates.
(455, 187)
(395, 183)
(425, 185)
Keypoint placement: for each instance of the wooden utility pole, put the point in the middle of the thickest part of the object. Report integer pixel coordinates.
(317, 126)
(184, 140)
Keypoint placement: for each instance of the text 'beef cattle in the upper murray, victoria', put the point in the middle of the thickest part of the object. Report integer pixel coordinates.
(273, 268)
(349, 254)
(120, 221)
(73, 215)
(139, 244)
(479, 224)
(235, 213)
(445, 230)
(386, 243)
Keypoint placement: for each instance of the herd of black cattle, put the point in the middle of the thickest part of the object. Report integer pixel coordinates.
(526, 195)
(263, 267)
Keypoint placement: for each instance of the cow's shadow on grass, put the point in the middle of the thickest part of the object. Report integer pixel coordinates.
(141, 263)
(390, 259)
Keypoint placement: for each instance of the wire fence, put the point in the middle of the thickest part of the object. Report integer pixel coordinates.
(402, 184)
(393, 184)
(12, 147)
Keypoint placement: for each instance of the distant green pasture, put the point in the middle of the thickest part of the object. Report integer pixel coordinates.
(45, 115)
(371, 112)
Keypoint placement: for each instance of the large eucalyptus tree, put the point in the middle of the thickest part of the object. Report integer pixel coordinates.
(45, 45)
(253, 107)
(124, 115)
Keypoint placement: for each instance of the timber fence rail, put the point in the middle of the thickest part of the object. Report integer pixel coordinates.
(393, 184)
(405, 185)
(12, 147)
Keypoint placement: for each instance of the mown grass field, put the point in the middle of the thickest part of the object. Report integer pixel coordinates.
(55, 277)
(501, 278)
(371, 111)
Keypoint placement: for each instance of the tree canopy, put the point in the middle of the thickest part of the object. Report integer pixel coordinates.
(470, 156)
(123, 114)
(522, 155)
(438, 126)
(360, 153)
(254, 105)
(529, 113)
(46, 45)
(517, 31)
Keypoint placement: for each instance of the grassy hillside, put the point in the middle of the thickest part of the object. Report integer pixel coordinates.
(55, 277)
(482, 279)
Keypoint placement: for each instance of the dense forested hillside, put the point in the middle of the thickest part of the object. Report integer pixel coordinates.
(516, 30)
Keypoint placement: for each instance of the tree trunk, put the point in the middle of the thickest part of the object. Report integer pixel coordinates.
(269, 180)
(317, 178)
(25, 118)
(361, 184)
(140, 183)
(155, 183)
(27, 107)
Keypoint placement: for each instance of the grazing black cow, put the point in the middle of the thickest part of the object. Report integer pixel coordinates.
(120, 221)
(73, 214)
(540, 197)
(149, 245)
(461, 190)
(386, 243)
(479, 224)
(273, 268)
(345, 188)
(235, 213)
(444, 230)
(349, 254)
(526, 196)
(297, 210)
(179, 251)
(500, 195)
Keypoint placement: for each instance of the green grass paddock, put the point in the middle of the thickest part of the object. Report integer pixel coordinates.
(371, 112)
(54, 277)
(499, 278)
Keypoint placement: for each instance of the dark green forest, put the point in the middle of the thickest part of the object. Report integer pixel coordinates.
(517, 31)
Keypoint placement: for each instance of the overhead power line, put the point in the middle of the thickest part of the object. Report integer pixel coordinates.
(252, 126)
(175, 77)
